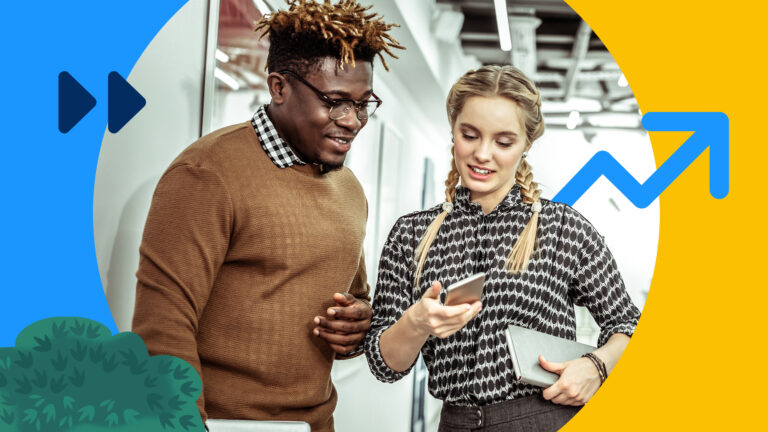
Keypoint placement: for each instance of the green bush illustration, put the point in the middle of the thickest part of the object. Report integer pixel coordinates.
(72, 374)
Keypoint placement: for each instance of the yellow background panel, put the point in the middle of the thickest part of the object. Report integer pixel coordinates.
(696, 360)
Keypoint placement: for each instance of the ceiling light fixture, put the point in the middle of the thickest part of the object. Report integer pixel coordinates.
(622, 81)
(226, 79)
(221, 56)
(573, 120)
(502, 22)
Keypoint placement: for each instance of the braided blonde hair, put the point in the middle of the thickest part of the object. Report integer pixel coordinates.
(511, 83)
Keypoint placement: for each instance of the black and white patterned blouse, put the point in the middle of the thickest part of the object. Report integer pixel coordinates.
(279, 152)
(571, 266)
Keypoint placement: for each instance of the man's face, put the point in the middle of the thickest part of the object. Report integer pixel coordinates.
(316, 137)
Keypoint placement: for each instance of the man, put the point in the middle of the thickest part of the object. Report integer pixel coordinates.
(251, 264)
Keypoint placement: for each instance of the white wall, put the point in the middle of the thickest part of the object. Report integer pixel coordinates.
(170, 75)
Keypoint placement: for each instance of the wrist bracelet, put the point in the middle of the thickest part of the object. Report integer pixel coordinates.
(599, 365)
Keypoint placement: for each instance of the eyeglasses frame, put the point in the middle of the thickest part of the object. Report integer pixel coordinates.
(333, 102)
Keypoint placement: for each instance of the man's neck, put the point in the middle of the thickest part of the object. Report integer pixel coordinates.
(280, 126)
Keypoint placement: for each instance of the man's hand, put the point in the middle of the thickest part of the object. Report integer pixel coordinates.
(346, 324)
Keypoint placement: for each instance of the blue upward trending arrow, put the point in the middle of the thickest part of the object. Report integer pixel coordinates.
(710, 130)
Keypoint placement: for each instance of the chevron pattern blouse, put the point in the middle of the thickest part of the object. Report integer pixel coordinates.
(571, 265)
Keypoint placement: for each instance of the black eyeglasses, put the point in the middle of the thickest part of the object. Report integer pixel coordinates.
(340, 107)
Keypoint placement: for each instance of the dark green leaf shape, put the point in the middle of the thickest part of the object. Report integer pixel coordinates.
(23, 385)
(150, 381)
(180, 373)
(68, 402)
(43, 344)
(77, 378)
(79, 351)
(164, 366)
(59, 331)
(94, 331)
(78, 327)
(110, 363)
(60, 362)
(87, 412)
(139, 368)
(129, 416)
(134, 365)
(174, 403)
(3, 380)
(58, 384)
(25, 359)
(166, 419)
(41, 378)
(9, 399)
(50, 413)
(129, 358)
(189, 389)
(187, 422)
(97, 354)
(153, 401)
(7, 416)
(112, 419)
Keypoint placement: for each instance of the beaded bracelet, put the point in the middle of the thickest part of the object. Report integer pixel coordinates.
(599, 365)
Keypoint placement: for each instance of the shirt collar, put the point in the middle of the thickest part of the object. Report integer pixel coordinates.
(512, 200)
(279, 152)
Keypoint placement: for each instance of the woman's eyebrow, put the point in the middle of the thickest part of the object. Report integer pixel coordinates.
(507, 133)
(510, 134)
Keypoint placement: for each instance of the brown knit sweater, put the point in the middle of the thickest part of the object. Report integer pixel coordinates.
(238, 257)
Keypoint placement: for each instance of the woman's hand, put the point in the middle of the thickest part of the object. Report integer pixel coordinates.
(401, 343)
(578, 382)
(429, 317)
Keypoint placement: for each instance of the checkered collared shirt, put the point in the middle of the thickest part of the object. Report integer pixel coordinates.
(276, 148)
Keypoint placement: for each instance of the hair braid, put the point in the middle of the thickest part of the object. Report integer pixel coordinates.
(429, 236)
(528, 188)
(452, 181)
(521, 252)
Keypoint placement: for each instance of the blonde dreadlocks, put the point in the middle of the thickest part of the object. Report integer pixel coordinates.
(309, 30)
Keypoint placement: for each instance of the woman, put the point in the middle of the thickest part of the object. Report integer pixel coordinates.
(540, 259)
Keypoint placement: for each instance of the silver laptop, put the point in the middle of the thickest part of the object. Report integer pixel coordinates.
(256, 426)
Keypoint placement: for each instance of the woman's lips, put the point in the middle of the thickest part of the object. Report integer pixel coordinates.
(478, 176)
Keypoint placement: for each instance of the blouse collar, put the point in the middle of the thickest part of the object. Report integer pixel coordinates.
(513, 200)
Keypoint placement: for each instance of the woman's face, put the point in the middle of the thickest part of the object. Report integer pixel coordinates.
(489, 140)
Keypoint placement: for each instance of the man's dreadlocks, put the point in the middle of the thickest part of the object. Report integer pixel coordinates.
(308, 31)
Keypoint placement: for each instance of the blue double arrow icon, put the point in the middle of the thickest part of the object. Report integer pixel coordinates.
(75, 102)
(710, 129)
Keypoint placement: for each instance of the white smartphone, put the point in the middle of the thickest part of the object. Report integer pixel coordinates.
(467, 290)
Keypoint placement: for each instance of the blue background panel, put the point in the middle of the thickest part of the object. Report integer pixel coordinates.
(48, 259)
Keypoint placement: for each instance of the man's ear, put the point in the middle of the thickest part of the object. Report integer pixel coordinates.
(277, 85)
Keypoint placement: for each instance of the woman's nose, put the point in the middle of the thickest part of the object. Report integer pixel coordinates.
(483, 151)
